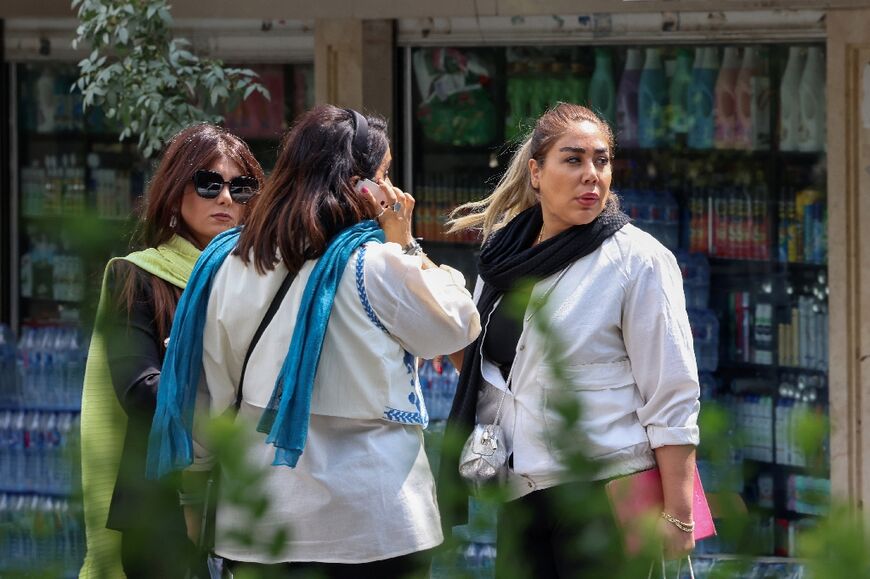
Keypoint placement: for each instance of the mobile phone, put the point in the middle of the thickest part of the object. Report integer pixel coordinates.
(375, 190)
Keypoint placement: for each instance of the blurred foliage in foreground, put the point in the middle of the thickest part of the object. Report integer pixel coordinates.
(837, 546)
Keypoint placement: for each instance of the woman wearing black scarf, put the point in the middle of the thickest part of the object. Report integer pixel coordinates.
(615, 304)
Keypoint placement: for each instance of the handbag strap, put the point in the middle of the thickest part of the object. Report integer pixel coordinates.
(535, 307)
(264, 323)
(210, 490)
(679, 568)
(504, 392)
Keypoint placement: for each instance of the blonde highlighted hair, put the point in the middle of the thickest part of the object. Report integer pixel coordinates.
(514, 192)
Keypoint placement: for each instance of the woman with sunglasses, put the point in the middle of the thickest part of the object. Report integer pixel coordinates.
(200, 189)
(330, 393)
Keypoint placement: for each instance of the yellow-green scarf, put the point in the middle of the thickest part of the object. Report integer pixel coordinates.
(103, 421)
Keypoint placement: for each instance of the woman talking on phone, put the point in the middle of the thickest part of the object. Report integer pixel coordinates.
(331, 388)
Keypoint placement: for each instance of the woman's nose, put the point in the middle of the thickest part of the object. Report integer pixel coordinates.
(590, 173)
(224, 197)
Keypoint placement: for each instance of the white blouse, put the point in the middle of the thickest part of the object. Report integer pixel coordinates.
(362, 490)
(627, 354)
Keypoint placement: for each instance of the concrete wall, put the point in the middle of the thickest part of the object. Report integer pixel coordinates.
(380, 9)
(354, 64)
(848, 101)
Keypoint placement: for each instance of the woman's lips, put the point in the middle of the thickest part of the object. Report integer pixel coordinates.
(222, 217)
(588, 199)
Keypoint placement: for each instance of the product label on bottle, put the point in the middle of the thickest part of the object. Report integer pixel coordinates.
(760, 112)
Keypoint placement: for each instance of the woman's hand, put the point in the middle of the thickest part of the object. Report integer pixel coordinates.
(677, 468)
(394, 219)
(676, 544)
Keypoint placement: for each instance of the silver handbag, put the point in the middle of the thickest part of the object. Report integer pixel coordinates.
(484, 455)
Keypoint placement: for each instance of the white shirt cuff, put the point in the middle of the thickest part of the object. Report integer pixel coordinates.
(673, 435)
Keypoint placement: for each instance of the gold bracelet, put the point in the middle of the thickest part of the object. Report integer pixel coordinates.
(684, 527)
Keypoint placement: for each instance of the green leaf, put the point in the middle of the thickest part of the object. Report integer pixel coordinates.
(152, 83)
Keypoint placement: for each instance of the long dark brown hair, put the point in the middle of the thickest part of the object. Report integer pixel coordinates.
(308, 198)
(193, 148)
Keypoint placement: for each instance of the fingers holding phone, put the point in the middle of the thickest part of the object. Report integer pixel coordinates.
(392, 208)
(403, 204)
(375, 195)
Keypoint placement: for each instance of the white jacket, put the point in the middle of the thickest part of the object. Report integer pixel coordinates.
(362, 490)
(626, 348)
(367, 366)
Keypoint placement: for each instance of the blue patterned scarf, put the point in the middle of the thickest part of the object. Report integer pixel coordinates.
(285, 420)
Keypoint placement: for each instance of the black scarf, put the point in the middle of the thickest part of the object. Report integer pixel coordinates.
(507, 258)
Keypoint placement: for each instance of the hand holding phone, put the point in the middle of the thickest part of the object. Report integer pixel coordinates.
(374, 189)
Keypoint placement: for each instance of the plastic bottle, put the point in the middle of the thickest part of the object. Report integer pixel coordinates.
(789, 102)
(64, 477)
(721, 223)
(9, 393)
(642, 203)
(518, 99)
(627, 99)
(5, 523)
(685, 265)
(804, 216)
(627, 203)
(46, 119)
(44, 394)
(743, 131)
(17, 459)
(75, 369)
(5, 450)
(812, 102)
(705, 333)
(486, 557)
(652, 100)
(708, 386)
(470, 558)
(701, 98)
(678, 93)
(553, 83)
(535, 89)
(33, 448)
(697, 221)
(670, 228)
(696, 280)
(576, 84)
(602, 89)
(725, 109)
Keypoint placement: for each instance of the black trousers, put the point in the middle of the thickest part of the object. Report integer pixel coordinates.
(412, 566)
(166, 552)
(562, 532)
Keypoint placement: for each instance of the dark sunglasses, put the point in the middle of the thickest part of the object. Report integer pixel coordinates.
(208, 185)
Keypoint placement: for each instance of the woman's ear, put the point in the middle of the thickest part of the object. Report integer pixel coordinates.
(534, 173)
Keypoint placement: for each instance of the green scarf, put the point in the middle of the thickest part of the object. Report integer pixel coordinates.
(103, 421)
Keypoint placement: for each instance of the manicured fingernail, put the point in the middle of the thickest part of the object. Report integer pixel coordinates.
(365, 189)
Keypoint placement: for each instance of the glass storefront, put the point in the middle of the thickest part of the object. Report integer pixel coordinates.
(720, 156)
(78, 189)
